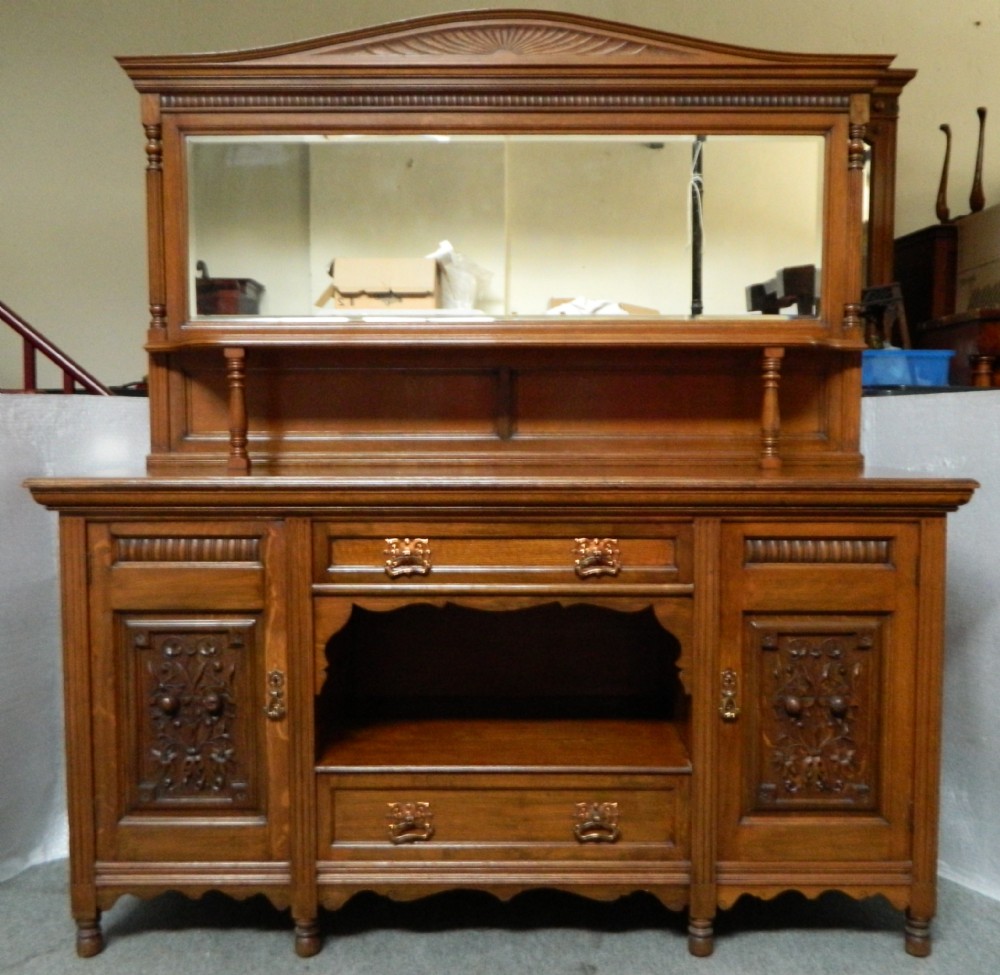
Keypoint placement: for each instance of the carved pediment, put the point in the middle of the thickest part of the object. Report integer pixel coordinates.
(506, 35)
(511, 37)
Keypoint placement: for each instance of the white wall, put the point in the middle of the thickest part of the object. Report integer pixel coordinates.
(72, 251)
(958, 434)
(44, 436)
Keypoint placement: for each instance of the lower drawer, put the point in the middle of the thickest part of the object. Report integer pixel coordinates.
(552, 816)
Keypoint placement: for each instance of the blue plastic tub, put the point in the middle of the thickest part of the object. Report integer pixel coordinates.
(905, 367)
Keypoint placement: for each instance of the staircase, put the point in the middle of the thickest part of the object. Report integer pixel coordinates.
(75, 379)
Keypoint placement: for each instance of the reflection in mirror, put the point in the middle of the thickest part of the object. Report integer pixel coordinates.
(355, 226)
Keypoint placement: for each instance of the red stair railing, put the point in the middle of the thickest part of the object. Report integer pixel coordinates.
(34, 342)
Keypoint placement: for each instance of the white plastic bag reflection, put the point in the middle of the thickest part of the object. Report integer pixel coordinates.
(461, 279)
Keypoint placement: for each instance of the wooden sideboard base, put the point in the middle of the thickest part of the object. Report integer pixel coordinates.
(309, 690)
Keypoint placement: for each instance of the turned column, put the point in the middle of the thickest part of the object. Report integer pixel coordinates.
(239, 460)
(770, 422)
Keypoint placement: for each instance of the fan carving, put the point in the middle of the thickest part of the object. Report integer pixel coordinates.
(521, 40)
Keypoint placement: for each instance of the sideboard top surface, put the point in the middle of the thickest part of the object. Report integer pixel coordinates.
(688, 494)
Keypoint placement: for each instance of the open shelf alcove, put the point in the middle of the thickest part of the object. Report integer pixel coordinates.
(512, 737)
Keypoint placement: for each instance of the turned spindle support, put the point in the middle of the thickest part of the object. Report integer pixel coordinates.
(770, 423)
(239, 460)
(154, 219)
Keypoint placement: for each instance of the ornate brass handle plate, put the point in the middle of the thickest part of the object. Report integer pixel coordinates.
(275, 708)
(410, 822)
(407, 557)
(597, 557)
(597, 822)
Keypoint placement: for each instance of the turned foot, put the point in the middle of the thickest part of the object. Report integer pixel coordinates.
(89, 938)
(701, 939)
(918, 936)
(307, 939)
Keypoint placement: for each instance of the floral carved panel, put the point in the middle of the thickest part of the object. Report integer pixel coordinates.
(817, 693)
(191, 686)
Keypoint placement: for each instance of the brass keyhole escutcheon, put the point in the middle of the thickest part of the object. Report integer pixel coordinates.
(275, 708)
(729, 708)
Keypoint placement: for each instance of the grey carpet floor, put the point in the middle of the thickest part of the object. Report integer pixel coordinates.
(458, 933)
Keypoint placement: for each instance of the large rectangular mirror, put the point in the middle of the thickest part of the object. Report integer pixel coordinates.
(335, 226)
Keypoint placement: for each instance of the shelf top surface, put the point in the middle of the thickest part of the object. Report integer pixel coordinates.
(690, 492)
(509, 745)
(475, 330)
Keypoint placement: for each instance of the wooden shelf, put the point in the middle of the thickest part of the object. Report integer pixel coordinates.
(509, 745)
(401, 331)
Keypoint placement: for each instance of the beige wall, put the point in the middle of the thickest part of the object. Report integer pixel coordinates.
(72, 241)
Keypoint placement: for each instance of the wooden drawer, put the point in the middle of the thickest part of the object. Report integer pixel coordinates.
(517, 789)
(515, 816)
(351, 555)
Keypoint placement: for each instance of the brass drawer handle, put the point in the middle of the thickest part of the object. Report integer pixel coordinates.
(597, 822)
(275, 708)
(410, 822)
(407, 557)
(597, 557)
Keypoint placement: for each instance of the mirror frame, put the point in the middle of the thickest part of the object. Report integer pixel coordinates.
(522, 71)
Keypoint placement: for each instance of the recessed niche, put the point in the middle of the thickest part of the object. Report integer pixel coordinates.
(545, 662)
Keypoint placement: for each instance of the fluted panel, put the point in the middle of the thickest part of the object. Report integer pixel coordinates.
(187, 549)
(821, 551)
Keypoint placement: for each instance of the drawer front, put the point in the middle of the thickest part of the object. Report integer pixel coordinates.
(374, 816)
(581, 554)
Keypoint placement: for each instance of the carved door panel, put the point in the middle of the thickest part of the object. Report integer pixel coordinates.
(190, 727)
(815, 700)
(813, 687)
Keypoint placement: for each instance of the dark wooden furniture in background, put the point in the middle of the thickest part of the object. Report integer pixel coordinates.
(975, 337)
(926, 267)
(927, 270)
(508, 601)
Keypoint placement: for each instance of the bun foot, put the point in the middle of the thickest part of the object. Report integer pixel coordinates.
(701, 938)
(918, 937)
(89, 938)
(307, 939)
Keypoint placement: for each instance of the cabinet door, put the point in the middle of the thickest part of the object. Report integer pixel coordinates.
(189, 655)
(816, 699)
